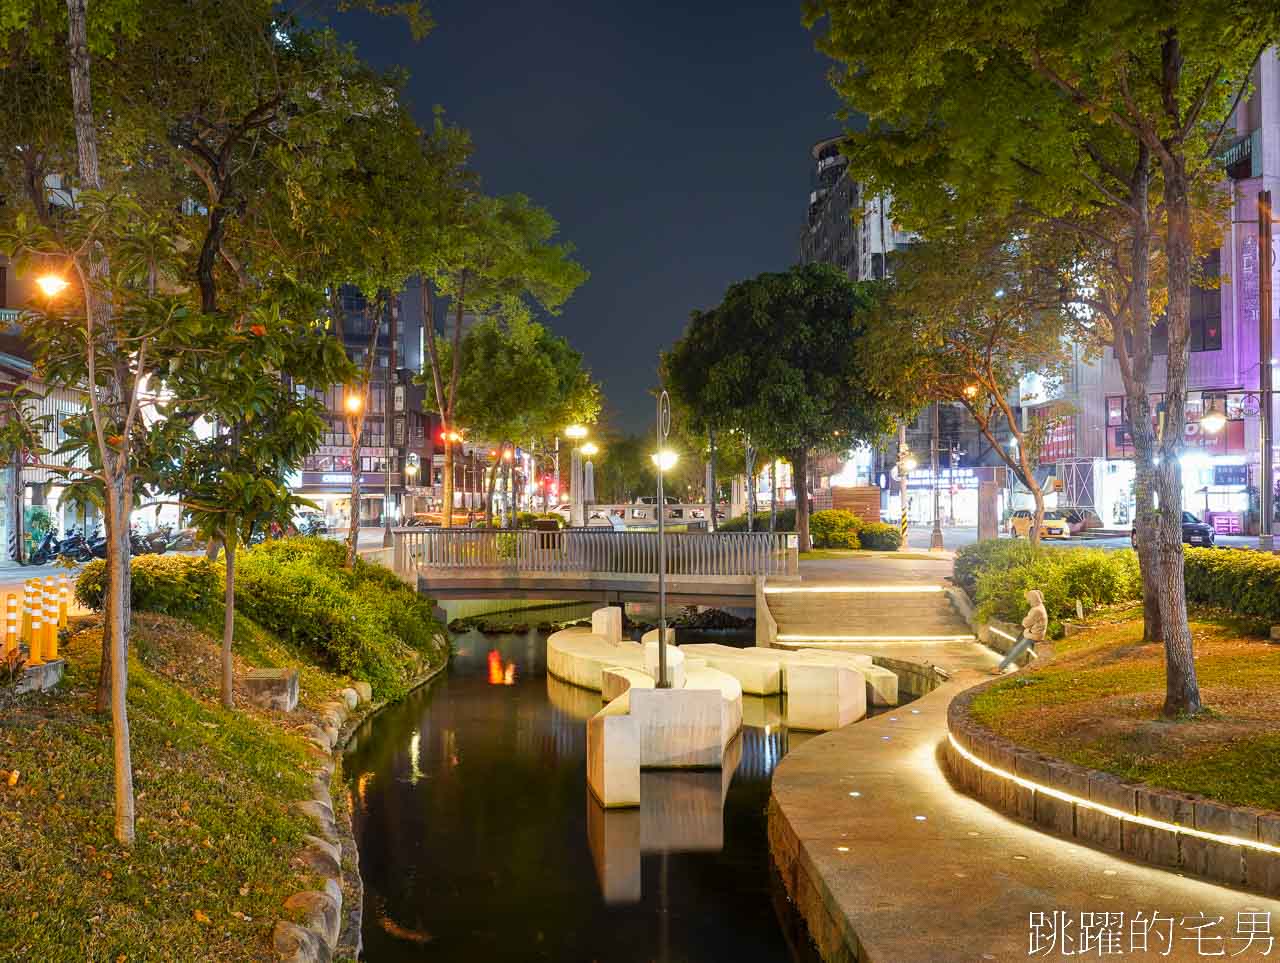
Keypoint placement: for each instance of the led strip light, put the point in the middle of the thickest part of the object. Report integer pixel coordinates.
(876, 638)
(1001, 632)
(843, 589)
(1118, 813)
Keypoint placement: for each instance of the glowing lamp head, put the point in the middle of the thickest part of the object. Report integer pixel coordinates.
(665, 460)
(51, 285)
(590, 448)
(411, 470)
(971, 391)
(909, 462)
(575, 432)
(508, 454)
(1213, 421)
(354, 403)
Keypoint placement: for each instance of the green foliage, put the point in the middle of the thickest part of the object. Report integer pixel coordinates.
(989, 555)
(1002, 576)
(834, 528)
(169, 584)
(786, 522)
(1243, 582)
(365, 622)
(880, 537)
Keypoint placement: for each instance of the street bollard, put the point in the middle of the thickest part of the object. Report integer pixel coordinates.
(50, 619)
(35, 621)
(64, 600)
(12, 623)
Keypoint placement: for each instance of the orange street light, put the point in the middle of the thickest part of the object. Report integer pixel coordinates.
(354, 403)
(51, 285)
(590, 448)
(575, 432)
(971, 391)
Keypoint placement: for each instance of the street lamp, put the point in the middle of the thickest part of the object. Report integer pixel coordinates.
(1213, 421)
(354, 403)
(665, 459)
(575, 432)
(51, 285)
(590, 449)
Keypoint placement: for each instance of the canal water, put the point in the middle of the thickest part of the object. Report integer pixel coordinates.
(479, 840)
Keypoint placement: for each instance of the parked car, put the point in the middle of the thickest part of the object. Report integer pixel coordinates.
(1194, 532)
(653, 500)
(1054, 525)
(1080, 519)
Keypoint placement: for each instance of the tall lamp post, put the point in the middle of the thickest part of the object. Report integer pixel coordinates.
(935, 542)
(664, 459)
(1266, 260)
(575, 433)
(906, 464)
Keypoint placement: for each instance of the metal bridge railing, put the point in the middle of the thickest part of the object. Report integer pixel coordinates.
(595, 552)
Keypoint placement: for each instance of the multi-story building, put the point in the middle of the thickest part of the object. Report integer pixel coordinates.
(853, 229)
(1221, 469)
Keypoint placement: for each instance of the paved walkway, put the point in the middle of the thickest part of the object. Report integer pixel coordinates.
(910, 869)
(884, 568)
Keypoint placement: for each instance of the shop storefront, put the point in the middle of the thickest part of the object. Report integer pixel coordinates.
(331, 492)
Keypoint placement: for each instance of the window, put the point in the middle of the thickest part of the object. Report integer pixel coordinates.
(1205, 322)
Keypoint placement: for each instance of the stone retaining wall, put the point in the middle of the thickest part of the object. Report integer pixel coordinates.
(1160, 826)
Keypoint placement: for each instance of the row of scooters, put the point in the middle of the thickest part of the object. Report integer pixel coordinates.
(80, 546)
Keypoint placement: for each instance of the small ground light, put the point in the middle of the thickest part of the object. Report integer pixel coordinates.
(855, 795)
(915, 712)
(842, 849)
(885, 738)
(1018, 856)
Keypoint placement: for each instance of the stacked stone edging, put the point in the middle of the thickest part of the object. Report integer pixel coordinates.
(325, 931)
(1220, 860)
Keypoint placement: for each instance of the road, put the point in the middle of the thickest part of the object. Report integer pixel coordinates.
(918, 537)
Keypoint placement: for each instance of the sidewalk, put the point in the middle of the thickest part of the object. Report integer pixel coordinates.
(880, 852)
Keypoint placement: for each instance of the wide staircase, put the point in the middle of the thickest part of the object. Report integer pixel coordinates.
(888, 613)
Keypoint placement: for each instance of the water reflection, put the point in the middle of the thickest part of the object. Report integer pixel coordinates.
(478, 839)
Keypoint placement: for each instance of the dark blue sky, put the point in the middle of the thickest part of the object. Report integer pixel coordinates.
(670, 140)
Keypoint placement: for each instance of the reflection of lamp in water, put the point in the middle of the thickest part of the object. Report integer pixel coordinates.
(495, 667)
(415, 773)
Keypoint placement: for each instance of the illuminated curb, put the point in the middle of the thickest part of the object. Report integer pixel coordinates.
(877, 638)
(852, 589)
(1120, 814)
(1001, 632)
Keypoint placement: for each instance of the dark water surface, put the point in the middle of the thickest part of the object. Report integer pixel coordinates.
(479, 839)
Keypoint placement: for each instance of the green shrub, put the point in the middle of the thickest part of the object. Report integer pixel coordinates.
(786, 522)
(834, 528)
(365, 622)
(170, 584)
(990, 555)
(1246, 582)
(1094, 576)
(880, 537)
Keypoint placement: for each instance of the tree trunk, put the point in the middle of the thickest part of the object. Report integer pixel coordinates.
(103, 703)
(711, 480)
(1144, 523)
(118, 581)
(1182, 693)
(353, 523)
(773, 494)
(209, 255)
(229, 618)
(81, 96)
(800, 482)
(446, 481)
(1037, 495)
(493, 483)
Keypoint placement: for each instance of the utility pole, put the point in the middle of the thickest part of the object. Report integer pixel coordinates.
(1266, 483)
(935, 543)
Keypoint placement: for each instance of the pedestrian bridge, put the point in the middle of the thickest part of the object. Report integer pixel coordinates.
(707, 568)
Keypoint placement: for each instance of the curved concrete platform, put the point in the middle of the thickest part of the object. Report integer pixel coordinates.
(884, 857)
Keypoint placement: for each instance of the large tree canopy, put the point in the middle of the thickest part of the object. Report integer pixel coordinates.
(781, 359)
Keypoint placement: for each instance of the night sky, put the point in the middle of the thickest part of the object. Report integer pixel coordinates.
(669, 139)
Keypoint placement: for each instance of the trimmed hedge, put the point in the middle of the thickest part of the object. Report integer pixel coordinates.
(1245, 582)
(786, 522)
(365, 623)
(834, 528)
(170, 584)
(881, 537)
(997, 573)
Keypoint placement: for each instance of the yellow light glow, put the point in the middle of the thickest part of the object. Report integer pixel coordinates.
(909, 464)
(840, 589)
(354, 403)
(971, 391)
(1099, 807)
(508, 454)
(665, 459)
(411, 470)
(837, 639)
(51, 285)
(575, 432)
(1213, 422)
(590, 448)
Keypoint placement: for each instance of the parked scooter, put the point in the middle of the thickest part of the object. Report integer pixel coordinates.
(75, 546)
(46, 551)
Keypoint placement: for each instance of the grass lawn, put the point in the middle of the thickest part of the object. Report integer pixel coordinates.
(1097, 704)
(213, 860)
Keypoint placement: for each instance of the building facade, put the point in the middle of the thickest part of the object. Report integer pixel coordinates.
(1221, 469)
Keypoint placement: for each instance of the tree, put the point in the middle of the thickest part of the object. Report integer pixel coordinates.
(497, 260)
(235, 481)
(1125, 97)
(970, 313)
(518, 382)
(778, 360)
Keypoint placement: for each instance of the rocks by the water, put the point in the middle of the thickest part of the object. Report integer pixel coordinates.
(350, 697)
(295, 944)
(364, 691)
